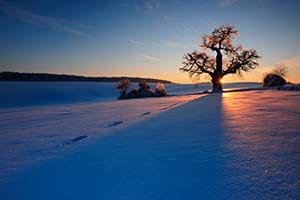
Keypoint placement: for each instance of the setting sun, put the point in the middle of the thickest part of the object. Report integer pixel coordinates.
(149, 99)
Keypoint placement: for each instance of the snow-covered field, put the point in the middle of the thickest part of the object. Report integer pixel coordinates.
(17, 94)
(236, 145)
(29, 134)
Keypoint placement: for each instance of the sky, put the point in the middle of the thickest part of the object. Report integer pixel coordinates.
(145, 38)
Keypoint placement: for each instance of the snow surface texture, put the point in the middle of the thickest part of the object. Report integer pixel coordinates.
(241, 145)
(30, 134)
(17, 94)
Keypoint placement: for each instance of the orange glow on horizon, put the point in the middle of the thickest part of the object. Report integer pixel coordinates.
(180, 78)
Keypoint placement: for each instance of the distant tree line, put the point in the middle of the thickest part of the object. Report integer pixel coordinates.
(17, 76)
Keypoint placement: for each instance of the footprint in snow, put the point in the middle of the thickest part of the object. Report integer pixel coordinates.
(79, 138)
(65, 113)
(115, 124)
(146, 113)
(76, 139)
(164, 108)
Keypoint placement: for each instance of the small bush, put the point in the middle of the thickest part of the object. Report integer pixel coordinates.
(143, 85)
(144, 90)
(276, 77)
(123, 85)
(160, 89)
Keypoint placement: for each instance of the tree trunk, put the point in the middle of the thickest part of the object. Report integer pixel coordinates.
(217, 84)
(122, 94)
(217, 76)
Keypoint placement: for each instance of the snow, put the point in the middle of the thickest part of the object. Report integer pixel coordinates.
(30, 134)
(17, 94)
(234, 145)
(20, 94)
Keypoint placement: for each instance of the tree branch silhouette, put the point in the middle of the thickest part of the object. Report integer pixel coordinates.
(229, 59)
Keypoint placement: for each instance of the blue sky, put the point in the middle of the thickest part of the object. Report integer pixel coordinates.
(144, 38)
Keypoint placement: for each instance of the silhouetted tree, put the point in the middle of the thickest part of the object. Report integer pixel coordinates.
(219, 57)
(123, 85)
(145, 90)
(143, 85)
(276, 76)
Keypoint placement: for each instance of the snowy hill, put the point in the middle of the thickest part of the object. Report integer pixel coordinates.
(19, 94)
(238, 145)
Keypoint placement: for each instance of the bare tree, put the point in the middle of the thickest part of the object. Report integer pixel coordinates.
(276, 77)
(280, 69)
(219, 57)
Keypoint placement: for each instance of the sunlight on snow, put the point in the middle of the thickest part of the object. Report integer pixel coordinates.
(262, 138)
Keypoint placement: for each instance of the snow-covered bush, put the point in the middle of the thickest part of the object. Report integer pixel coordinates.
(123, 85)
(276, 77)
(160, 89)
(144, 90)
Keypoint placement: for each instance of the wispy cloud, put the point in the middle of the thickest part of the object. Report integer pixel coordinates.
(136, 42)
(41, 20)
(152, 4)
(165, 18)
(225, 3)
(152, 8)
(148, 57)
(147, 5)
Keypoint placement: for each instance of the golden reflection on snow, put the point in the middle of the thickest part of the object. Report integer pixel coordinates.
(262, 136)
(252, 112)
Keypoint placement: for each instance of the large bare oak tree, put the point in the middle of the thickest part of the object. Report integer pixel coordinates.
(219, 57)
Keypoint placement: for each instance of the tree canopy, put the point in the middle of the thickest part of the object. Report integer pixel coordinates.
(219, 56)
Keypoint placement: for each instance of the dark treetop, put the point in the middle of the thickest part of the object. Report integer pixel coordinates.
(220, 57)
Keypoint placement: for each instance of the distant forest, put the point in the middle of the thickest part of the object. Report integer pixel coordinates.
(17, 76)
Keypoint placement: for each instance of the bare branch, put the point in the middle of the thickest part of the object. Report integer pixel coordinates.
(220, 39)
(242, 60)
(235, 58)
(280, 69)
(197, 63)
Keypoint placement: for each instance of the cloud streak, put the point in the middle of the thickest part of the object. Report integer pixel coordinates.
(136, 42)
(147, 6)
(148, 57)
(40, 20)
(152, 4)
